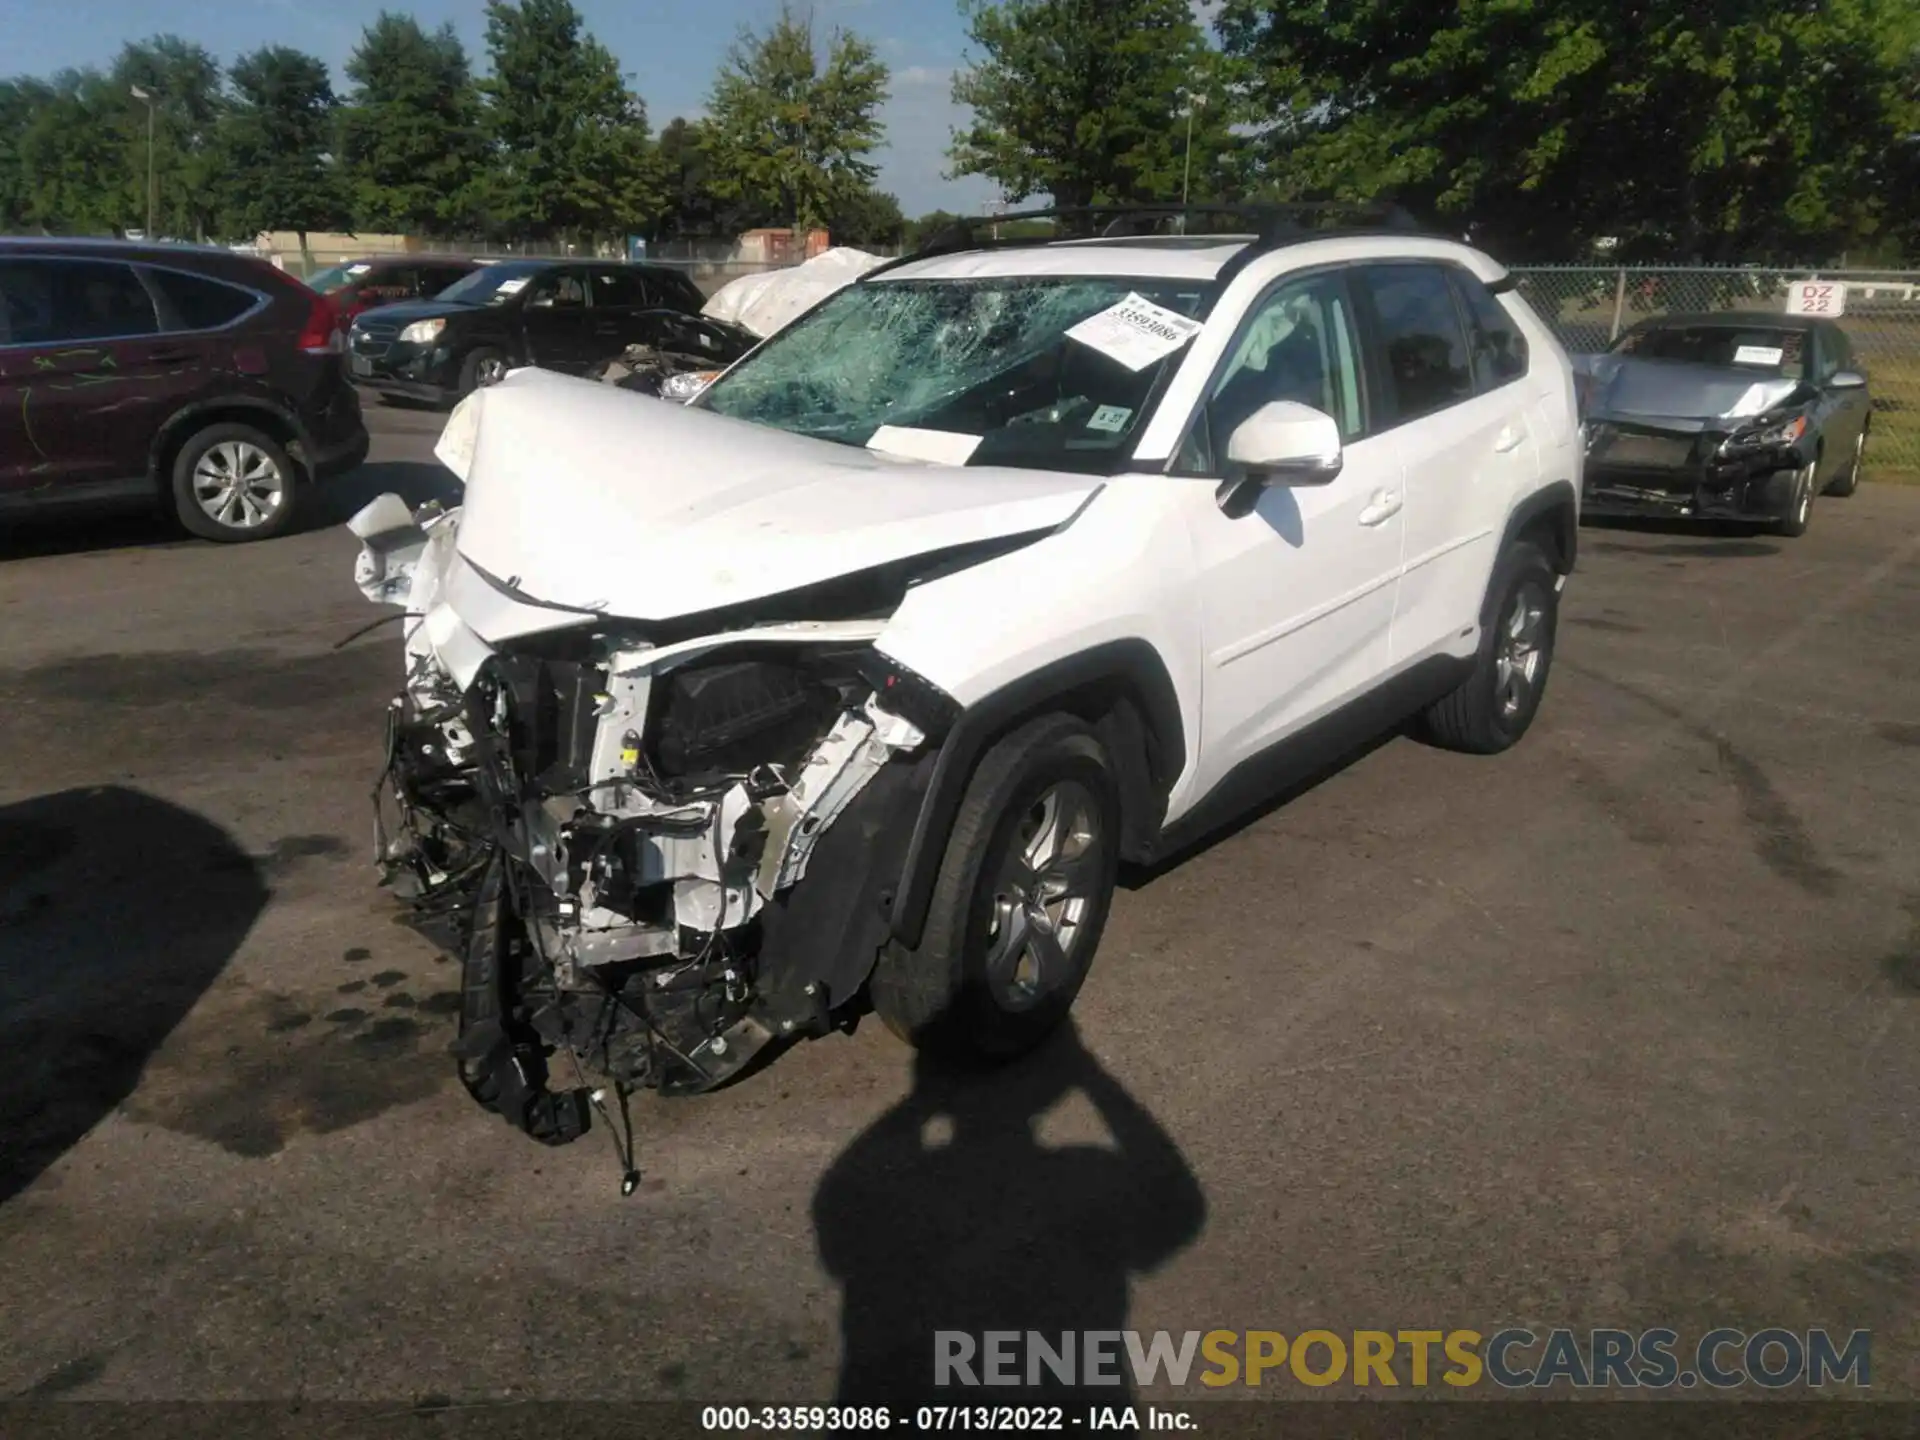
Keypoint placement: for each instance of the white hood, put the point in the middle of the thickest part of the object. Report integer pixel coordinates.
(587, 495)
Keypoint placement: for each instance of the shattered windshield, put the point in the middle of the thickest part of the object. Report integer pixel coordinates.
(1046, 373)
(1760, 347)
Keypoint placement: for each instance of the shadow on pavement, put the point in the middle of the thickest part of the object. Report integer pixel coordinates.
(414, 481)
(949, 1214)
(117, 911)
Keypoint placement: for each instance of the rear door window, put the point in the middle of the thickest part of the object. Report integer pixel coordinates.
(1497, 348)
(51, 301)
(1419, 344)
(193, 302)
(618, 289)
(675, 290)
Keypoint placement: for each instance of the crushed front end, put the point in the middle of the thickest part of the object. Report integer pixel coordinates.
(615, 826)
(1720, 470)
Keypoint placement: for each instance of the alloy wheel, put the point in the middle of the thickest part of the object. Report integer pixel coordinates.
(1521, 652)
(1045, 891)
(239, 485)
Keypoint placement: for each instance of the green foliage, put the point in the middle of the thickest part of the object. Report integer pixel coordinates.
(789, 133)
(1738, 131)
(866, 218)
(919, 231)
(571, 151)
(273, 146)
(411, 148)
(693, 207)
(1086, 101)
(65, 168)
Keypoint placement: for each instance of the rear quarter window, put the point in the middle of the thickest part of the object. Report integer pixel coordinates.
(193, 302)
(1494, 341)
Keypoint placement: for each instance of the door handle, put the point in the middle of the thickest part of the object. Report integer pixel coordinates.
(1383, 508)
(170, 357)
(1510, 439)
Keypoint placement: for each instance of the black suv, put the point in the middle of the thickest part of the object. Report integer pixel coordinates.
(567, 315)
(207, 380)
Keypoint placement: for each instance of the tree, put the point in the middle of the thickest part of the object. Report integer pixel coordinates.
(692, 206)
(866, 217)
(1084, 100)
(1740, 131)
(790, 133)
(274, 146)
(69, 157)
(570, 138)
(410, 143)
(919, 231)
(188, 100)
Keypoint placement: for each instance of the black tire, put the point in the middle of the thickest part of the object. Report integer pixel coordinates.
(476, 369)
(1794, 519)
(232, 450)
(971, 991)
(1848, 481)
(1496, 704)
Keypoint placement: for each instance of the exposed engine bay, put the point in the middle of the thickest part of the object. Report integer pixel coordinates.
(609, 821)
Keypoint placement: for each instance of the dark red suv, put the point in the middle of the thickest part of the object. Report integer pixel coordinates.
(209, 381)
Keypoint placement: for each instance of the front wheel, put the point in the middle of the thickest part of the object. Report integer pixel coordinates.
(1793, 524)
(1496, 704)
(482, 367)
(1020, 902)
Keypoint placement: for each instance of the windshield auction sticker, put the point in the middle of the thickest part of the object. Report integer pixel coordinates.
(1136, 332)
(1759, 355)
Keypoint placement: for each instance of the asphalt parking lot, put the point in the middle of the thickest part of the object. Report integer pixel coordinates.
(1621, 1029)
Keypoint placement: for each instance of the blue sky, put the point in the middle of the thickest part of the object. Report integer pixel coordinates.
(669, 49)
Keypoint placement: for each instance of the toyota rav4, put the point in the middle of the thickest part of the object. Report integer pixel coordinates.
(847, 687)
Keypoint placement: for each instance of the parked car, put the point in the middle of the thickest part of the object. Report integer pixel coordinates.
(847, 686)
(358, 285)
(210, 382)
(565, 315)
(1732, 416)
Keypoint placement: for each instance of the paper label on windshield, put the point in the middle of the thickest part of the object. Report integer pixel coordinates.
(514, 285)
(1759, 355)
(942, 447)
(1111, 418)
(1136, 332)
(358, 269)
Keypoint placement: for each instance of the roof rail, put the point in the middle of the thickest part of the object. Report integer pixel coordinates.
(1269, 225)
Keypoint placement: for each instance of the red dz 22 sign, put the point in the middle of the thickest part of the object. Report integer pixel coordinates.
(1817, 297)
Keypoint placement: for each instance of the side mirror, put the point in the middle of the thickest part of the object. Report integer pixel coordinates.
(1848, 380)
(1286, 443)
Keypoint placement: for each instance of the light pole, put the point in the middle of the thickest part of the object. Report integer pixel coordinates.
(1194, 102)
(140, 94)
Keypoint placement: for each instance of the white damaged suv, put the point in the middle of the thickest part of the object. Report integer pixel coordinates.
(848, 686)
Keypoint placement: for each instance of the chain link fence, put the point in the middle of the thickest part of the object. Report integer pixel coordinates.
(1589, 307)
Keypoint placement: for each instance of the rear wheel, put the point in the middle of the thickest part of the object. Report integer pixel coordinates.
(1496, 704)
(1848, 481)
(1020, 902)
(232, 482)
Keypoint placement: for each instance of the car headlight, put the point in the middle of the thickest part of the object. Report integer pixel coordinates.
(687, 385)
(422, 332)
(1774, 435)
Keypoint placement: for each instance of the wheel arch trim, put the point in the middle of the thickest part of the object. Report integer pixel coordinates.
(1121, 687)
(1557, 502)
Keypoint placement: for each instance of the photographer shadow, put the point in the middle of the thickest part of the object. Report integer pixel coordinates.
(949, 1215)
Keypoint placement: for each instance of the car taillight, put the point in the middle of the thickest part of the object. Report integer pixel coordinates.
(322, 334)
